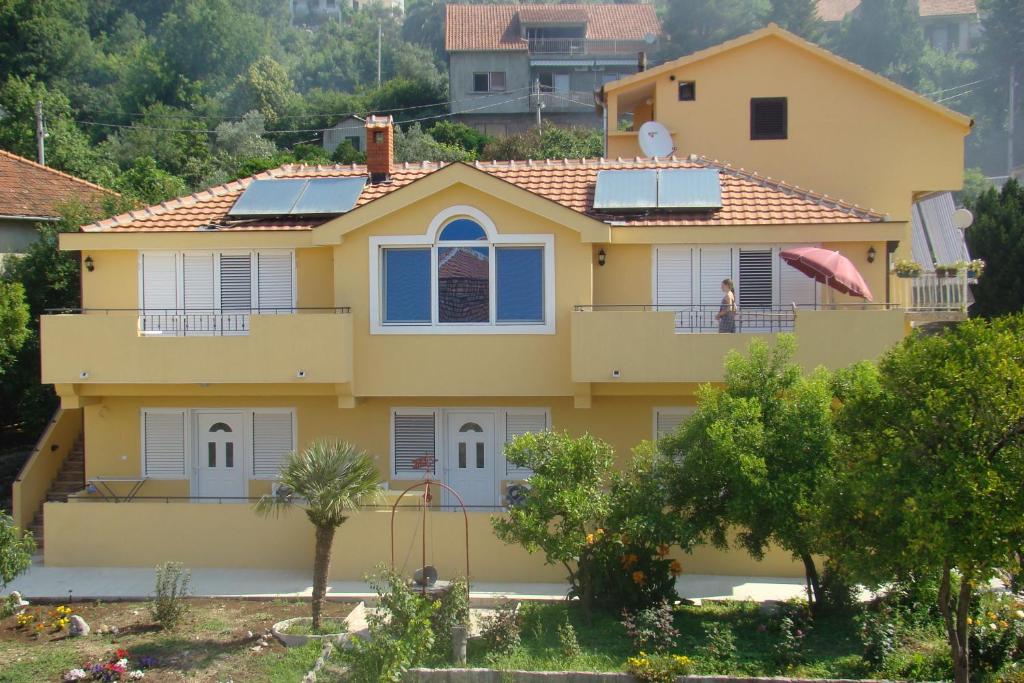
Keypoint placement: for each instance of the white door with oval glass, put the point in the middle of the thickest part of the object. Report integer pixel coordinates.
(469, 464)
(220, 455)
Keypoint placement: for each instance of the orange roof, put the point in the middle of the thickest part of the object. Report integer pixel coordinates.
(35, 191)
(747, 198)
(489, 28)
(835, 10)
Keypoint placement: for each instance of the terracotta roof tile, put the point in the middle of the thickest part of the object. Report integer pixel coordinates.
(835, 10)
(33, 190)
(489, 28)
(747, 199)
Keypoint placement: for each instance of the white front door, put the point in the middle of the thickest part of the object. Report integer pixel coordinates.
(470, 458)
(220, 455)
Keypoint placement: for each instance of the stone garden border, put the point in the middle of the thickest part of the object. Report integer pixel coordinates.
(494, 676)
(356, 616)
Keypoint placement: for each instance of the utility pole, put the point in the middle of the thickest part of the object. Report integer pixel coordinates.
(40, 135)
(1011, 115)
(379, 38)
(540, 104)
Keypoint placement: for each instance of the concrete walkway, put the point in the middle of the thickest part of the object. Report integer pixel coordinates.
(119, 583)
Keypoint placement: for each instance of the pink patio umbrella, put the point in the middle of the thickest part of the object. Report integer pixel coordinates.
(828, 267)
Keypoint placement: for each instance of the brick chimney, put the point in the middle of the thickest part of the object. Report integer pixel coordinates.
(380, 147)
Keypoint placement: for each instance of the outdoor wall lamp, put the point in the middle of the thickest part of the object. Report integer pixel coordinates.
(89, 264)
(871, 254)
(601, 257)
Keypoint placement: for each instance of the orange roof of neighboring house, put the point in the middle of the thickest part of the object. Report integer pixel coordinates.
(835, 10)
(747, 198)
(489, 28)
(32, 190)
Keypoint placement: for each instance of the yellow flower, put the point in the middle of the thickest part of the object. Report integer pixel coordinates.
(969, 621)
(590, 539)
(1004, 625)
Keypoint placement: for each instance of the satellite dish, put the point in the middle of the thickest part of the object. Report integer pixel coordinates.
(655, 140)
(649, 38)
(963, 219)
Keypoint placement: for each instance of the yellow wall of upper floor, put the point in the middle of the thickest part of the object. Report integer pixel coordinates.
(848, 137)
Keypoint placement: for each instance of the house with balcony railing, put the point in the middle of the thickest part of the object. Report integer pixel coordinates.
(431, 312)
(506, 61)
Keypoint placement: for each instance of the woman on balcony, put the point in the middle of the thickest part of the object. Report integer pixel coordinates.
(726, 315)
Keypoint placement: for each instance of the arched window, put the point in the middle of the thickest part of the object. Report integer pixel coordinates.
(463, 275)
(219, 427)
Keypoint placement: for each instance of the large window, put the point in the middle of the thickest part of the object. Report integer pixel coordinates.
(489, 81)
(463, 277)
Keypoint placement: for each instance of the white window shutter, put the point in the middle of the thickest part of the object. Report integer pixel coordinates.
(673, 276)
(159, 281)
(197, 282)
(795, 287)
(272, 440)
(163, 444)
(413, 440)
(667, 420)
(715, 266)
(236, 282)
(517, 423)
(274, 289)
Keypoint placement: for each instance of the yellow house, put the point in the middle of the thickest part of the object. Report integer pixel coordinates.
(430, 312)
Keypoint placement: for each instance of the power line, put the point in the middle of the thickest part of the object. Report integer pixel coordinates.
(958, 87)
(297, 130)
(210, 117)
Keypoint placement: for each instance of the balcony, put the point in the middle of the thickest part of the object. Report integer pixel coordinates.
(930, 298)
(631, 344)
(584, 47)
(126, 346)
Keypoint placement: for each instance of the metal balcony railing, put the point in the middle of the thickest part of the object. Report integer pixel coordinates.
(170, 322)
(698, 319)
(584, 46)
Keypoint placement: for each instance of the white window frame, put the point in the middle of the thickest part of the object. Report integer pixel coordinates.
(429, 240)
(681, 411)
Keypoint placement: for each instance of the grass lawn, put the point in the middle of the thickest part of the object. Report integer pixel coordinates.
(832, 648)
(212, 644)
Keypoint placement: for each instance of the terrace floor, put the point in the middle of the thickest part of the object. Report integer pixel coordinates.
(121, 583)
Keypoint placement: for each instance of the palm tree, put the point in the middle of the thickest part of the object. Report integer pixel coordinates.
(329, 480)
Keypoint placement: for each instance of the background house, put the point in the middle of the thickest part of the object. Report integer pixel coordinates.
(30, 194)
(498, 55)
(314, 10)
(950, 25)
(351, 128)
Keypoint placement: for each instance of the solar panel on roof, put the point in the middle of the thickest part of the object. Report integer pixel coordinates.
(689, 188)
(299, 196)
(329, 195)
(626, 189)
(269, 197)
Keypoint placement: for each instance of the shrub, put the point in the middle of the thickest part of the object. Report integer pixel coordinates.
(16, 550)
(172, 590)
(997, 631)
(659, 668)
(568, 641)
(721, 644)
(836, 595)
(877, 636)
(532, 617)
(933, 664)
(651, 629)
(452, 611)
(630, 575)
(400, 633)
(501, 632)
(788, 650)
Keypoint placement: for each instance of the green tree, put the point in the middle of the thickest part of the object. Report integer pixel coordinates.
(459, 135)
(997, 237)
(798, 16)
(147, 184)
(14, 319)
(693, 25)
(264, 87)
(928, 479)
(999, 49)
(549, 142)
(329, 480)
(753, 457)
(885, 36)
(16, 550)
(567, 500)
(413, 144)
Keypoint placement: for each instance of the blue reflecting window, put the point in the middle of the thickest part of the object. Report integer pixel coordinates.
(520, 286)
(463, 285)
(462, 230)
(406, 285)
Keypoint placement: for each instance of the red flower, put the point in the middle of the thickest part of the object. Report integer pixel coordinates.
(122, 654)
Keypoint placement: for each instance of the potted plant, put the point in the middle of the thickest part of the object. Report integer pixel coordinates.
(975, 268)
(906, 268)
(949, 269)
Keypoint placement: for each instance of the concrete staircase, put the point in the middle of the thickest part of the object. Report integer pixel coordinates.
(70, 479)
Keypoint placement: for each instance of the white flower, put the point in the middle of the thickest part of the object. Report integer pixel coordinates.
(136, 675)
(1020, 614)
(993, 626)
(75, 675)
(123, 663)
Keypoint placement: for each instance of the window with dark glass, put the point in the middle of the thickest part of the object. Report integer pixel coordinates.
(768, 118)
(687, 91)
(520, 286)
(488, 81)
(406, 285)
